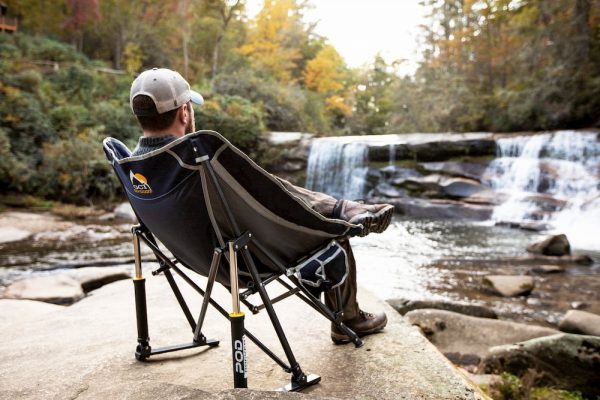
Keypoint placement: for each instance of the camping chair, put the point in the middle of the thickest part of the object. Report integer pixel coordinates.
(207, 203)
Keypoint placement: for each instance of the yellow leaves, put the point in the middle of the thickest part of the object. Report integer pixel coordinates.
(336, 105)
(269, 43)
(324, 73)
(133, 57)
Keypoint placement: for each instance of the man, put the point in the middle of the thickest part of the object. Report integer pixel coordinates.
(162, 102)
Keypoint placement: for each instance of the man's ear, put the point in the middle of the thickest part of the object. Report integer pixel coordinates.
(183, 114)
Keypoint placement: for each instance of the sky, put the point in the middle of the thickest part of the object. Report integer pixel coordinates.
(359, 29)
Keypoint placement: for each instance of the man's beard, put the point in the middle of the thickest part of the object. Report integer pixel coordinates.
(191, 126)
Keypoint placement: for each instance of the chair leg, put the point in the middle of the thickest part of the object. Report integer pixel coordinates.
(299, 379)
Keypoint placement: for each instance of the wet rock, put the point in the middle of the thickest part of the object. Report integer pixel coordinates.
(56, 289)
(438, 209)
(510, 285)
(464, 334)
(20, 225)
(10, 234)
(525, 225)
(557, 245)
(454, 168)
(463, 359)
(387, 190)
(394, 172)
(403, 306)
(545, 269)
(546, 203)
(461, 187)
(579, 305)
(124, 212)
(563, 361)
(583, 322)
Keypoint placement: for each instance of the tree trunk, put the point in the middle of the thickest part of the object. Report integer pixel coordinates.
(215, 59)
(581, 19)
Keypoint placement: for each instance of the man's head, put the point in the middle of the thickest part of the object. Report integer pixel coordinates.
(161, 100)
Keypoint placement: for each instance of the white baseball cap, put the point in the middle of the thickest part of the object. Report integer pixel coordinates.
(166, 88)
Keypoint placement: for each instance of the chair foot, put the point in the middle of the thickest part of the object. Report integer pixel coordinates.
(142, 353)
(303, 382)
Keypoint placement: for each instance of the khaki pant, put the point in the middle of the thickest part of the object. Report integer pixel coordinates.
(323, 204)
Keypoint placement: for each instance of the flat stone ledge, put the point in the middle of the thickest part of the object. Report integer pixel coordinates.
(86, 349)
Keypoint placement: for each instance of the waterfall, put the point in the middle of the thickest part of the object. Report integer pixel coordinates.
(551, 178)
(337, 167)
(392, 149)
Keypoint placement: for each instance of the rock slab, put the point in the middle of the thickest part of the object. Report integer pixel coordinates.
(510, 285)
(456, 333)
(403, 306)
(583, 322)
(65, 287)
(564, 361)
(88, 351)
(56, 289)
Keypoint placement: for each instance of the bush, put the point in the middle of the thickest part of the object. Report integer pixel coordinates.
(283, 104)
(236, 118)
(75, 170)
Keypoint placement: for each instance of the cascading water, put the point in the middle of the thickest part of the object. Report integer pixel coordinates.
(338, 168)
(551, 178)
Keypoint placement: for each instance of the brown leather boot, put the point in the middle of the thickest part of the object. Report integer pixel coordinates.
(375, 218)
(363, 324)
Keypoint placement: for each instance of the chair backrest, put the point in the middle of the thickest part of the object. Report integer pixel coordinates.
(173, 195)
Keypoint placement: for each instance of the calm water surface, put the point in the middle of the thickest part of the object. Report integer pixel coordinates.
(413, 259)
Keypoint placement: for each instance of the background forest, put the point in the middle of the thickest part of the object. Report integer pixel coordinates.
(486, 65)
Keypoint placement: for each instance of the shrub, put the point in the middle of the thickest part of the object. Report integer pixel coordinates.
(236, 118)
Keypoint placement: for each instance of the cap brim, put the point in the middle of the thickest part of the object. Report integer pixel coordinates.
(196, 98)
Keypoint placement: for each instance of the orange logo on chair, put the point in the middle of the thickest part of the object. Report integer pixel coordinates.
(140, 183)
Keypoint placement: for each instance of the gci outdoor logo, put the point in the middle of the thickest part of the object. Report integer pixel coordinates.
(140, 183)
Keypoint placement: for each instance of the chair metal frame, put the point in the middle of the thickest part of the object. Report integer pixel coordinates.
(236, 245)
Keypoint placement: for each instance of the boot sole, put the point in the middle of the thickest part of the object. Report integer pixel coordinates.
(378, 222)
(340, 338)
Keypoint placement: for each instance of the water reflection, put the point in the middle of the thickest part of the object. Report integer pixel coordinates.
(447, 260)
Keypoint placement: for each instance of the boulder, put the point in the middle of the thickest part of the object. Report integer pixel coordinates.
(124, 212)
(91, 278)
(557, 245)
(461, 187)
(437, 209)
(65, 287)
(563, 361)
(455, 168)
(510, 285)
(545, 269)
(387, 190)
(57, 289)
(583, 322)
(403, 306)
(465, 335)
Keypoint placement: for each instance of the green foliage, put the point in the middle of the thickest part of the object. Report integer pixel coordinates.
(75, 170)
(234, 117)
(514, 388)
(283, 104)
(53, 118)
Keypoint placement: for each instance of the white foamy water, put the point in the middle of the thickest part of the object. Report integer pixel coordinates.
(338, 168)
(551, 178)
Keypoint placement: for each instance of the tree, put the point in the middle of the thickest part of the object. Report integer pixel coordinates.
(226, 13)
(273, 42)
